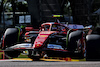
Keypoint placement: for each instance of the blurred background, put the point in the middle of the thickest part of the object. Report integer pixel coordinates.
(35, 12)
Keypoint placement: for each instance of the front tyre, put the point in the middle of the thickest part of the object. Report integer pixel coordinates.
(12, 54)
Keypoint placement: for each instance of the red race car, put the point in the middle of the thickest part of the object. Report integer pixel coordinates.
(52, 40)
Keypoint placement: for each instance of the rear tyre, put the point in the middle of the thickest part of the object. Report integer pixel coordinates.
(93, 47)
(74, 37)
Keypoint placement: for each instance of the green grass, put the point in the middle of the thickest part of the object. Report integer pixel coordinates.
(1, 55)
(22, 56)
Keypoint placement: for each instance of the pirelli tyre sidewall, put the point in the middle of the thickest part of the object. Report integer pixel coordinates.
(93, 47)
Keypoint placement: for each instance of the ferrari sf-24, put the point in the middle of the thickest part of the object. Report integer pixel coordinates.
(52, 40)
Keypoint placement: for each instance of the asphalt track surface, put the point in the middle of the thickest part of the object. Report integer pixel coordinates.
(19, 63)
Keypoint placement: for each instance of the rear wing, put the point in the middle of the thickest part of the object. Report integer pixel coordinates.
(78, 27)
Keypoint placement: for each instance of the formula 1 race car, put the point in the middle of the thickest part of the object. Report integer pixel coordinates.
(52, 40)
